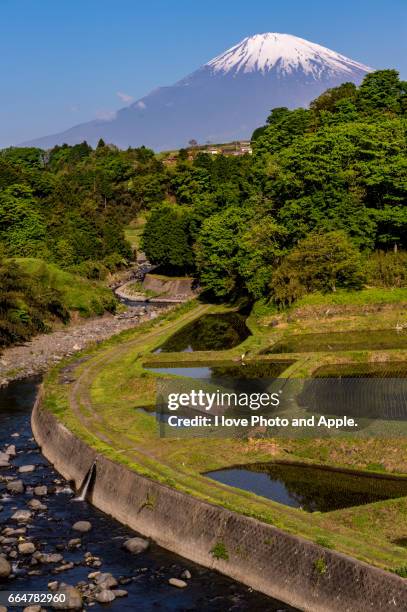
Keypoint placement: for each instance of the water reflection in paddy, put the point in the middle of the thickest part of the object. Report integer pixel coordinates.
(224, 370)
(310, 488)
(212, 332)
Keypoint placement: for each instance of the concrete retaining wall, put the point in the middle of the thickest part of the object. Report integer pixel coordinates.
(283, 566)
(171, 287)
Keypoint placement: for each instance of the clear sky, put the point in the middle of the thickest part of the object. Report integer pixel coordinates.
(63, 62)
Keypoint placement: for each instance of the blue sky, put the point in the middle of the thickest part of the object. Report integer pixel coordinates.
(63, 62)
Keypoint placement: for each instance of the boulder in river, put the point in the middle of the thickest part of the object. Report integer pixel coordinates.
(15, 486)
(26, 469)
(26, 548)
(106, 580)
(105, 596)
(74, 543)
(22, 516)
(82, 526)
(41, 490)
(180, 584)
(50, 558)
(136, 545)
(11, 450)
(32, 609)
(5, 568)
(35, 504)
(186, 574)
(73, 598)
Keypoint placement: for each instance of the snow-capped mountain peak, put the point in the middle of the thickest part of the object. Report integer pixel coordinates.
(284, 54)
(224, 100)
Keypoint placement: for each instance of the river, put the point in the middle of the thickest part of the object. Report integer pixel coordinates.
(144, 577)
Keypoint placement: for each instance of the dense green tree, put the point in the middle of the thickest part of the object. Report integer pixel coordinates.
(320, 262)
(22, 226)
(166, 239)
(218, 252)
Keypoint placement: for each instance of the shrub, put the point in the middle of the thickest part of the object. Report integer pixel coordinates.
(320, 262)
(387, 269)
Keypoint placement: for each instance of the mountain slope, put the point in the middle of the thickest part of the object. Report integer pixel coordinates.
(224, 100)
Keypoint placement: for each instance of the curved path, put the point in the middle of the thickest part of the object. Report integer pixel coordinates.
(97, 426)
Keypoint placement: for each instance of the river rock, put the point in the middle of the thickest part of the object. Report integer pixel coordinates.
(5, 568)
(106, 580)
(65, 567)
(22, 516)
(11, 450)
(15, 486)
(26, 469)
(74, 543)
(41, 490)
(32, 609)
(35, 504)
(186, 574)
(26, 548)
(120, 593)
(4, 459)
(105, 596)
(15, 435)
(50, 558)
(2, 608)
(136, 545)
(82, 526)
(180, 584)
(53, 585)
(94, 575)
(73, 598)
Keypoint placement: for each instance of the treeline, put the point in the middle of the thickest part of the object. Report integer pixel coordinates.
(67, 206)
(320, 204)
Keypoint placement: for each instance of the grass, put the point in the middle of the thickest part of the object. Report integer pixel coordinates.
(341, 297)
(134, 230)
(137, 288)
(80, 295)
(112, 383)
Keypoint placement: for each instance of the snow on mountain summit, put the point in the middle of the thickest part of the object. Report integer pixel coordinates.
(225, 99)
(285, 54)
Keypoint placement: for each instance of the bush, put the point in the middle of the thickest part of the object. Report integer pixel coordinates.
(94, 270)
(387, 269)
(320, 262)
(27, 302)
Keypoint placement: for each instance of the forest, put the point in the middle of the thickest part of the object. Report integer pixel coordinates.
(321, 204)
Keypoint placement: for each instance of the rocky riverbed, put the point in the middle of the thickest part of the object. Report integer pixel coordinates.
(43, 351)
(50, 542)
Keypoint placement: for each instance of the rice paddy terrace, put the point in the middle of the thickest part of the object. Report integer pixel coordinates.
(107, 398)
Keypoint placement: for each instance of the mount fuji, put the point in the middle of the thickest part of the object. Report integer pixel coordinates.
(224, 100)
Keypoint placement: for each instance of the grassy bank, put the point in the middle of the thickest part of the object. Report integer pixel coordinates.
(79, 294)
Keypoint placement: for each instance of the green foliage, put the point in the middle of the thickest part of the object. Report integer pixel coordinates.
(387, 269)
(218, 253)
(400, 571)
(22, 227)
(320, 566)
(219, 551)
(27, 302)
(88, 297)
(321, 262)
(334, 172)
(324, 541)
(166, 238)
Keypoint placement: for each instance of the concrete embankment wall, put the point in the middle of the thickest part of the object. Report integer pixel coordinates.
(283, 566)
